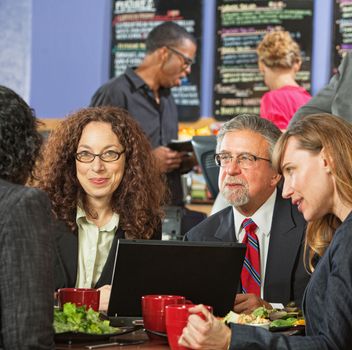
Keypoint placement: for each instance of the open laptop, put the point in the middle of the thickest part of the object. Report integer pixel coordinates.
(203, 272)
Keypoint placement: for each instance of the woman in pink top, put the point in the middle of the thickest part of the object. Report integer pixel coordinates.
(279, 60)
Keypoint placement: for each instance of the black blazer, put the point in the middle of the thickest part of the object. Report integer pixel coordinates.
(66, 262)
(285, 276)
(327, 305)
(26, 284)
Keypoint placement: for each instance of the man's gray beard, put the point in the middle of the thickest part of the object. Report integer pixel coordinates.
(238, 197)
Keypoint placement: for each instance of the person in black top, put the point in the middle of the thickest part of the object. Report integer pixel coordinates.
(145, 92)
(26, 233)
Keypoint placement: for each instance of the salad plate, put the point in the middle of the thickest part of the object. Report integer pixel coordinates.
(77, 337)
(159, 334)
(299, 329)
(284, 321)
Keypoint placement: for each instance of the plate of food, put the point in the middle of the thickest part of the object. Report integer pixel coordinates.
(289, 318)
(76, 324)
(289, 324)
(158, 334)
(259, 318)
(78, 337)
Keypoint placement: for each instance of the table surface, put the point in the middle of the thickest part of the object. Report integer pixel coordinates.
(140, 335)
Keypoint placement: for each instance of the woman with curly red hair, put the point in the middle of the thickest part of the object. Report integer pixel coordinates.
(103, 182)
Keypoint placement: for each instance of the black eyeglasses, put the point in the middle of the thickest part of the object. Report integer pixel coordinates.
(108, 156)
(244, 161)
(186, 60)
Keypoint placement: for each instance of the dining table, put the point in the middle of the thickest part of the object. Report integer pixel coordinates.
(134, 340)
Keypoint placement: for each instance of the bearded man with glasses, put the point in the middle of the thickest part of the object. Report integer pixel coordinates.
(145, 92)
(273, 271)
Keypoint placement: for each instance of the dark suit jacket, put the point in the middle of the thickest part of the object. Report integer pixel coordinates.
(335, 97)
(66, 243)
(285, 276)
(327, 305)
(26, 283)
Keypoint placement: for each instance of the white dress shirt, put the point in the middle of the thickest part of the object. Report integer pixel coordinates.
(263, 218)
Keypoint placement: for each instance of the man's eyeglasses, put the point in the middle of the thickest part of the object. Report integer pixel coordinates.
(244, 161)
(186, 60)
(108, 156)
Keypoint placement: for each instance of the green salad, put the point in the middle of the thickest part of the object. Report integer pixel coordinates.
(77, 319)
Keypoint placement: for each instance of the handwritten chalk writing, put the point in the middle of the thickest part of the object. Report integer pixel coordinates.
(133, 17)
(343, 30)
(130, 46)
(240, 27)
(134, 6)
(263, 17)
(185, 93)
(131, 23)
(236, 7)
(240, 101)
(232, 111)
(140, 30)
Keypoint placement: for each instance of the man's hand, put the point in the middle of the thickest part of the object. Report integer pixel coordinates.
(168, 160)
(188, 162)
(247, 303)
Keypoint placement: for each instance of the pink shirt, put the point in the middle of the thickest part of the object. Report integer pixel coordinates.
(280, 105)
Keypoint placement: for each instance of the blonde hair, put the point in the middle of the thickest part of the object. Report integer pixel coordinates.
(333, 134)
(278, 50)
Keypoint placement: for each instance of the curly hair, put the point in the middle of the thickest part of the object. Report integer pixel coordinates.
(20, 141)
(140, 195)
(278, 50)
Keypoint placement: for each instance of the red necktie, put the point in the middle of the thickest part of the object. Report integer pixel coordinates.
(250, 275)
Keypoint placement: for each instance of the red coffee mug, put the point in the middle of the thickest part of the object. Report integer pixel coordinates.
(153, 310)
(176, 318)
(88, 297)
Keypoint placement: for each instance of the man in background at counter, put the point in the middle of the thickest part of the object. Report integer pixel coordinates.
(259, 214)
(335, 97)
(145, 92)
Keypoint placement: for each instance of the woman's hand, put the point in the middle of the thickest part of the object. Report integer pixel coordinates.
(208, 333)
(104, 297)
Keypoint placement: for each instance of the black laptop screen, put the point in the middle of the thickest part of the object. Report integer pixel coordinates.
(203, 272)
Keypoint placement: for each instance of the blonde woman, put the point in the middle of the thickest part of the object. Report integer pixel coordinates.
(279, 59)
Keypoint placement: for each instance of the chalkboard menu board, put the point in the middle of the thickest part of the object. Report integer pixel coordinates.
(240, 26)
(342, 30)
(131, 23)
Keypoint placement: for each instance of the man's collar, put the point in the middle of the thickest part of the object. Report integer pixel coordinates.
(134, 78)
(262, 217)
(138, 82)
